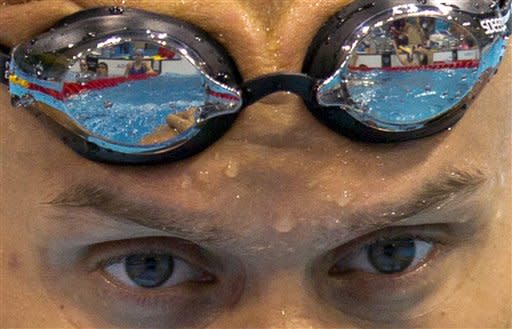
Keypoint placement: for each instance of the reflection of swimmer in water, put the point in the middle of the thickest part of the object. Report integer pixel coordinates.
(177, 123)
(138, 66)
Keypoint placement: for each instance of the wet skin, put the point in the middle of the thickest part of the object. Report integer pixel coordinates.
(267, 211)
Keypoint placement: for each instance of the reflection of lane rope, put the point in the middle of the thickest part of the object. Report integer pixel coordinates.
(462, 64)
(73, 88)
(223, 96)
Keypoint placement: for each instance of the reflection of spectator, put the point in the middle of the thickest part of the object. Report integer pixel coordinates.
(467, 43)
(409, 39)
(415, 54)
(102, 70)
(84, 67)
(85, 73)
(138, 66)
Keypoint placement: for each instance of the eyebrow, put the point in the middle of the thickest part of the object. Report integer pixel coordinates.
(193, 225)
(435, 193)
(116, 206)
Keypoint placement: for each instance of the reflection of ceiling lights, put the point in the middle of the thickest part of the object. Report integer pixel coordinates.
(405, 9)
(112, 41)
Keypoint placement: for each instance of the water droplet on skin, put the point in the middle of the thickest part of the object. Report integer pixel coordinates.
(232, 169)
(284, 224)
(344, 199)
(116, 10)
(203, 176)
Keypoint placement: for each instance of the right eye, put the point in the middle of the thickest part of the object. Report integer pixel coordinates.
(154, 270)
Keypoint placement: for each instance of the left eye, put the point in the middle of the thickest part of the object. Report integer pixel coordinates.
(153, 270)
(385, 256)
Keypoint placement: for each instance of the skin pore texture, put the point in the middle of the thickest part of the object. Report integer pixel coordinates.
(268, 210)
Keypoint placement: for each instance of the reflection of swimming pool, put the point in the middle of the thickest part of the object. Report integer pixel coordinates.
(409, 97)
(132, 110)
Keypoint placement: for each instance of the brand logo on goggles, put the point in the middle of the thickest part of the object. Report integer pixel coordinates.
(495, 25)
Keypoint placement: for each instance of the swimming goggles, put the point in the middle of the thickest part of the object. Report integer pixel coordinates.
(128, 86)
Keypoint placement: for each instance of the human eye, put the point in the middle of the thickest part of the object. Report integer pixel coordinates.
(151, 282)
(395, 274)
(153, 269)
(386, 256)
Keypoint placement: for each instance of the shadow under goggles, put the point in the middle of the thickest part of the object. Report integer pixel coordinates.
(128, 86)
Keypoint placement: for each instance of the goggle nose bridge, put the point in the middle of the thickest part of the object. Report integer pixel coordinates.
(297, 83)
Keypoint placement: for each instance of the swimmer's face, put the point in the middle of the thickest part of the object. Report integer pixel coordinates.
(280, 224)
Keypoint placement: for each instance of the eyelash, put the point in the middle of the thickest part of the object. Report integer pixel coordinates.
(116, 268)
(436, 235)
(354, 261)
(103, 259)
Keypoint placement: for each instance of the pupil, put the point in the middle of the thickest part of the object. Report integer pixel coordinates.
(149, 270)
(392, 256)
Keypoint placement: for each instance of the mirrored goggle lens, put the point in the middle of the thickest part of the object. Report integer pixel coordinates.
(408, 71)
(129, 92)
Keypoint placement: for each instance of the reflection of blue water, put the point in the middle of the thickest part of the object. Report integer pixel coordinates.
(409, 97)
(413, 97)
(132, 110)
